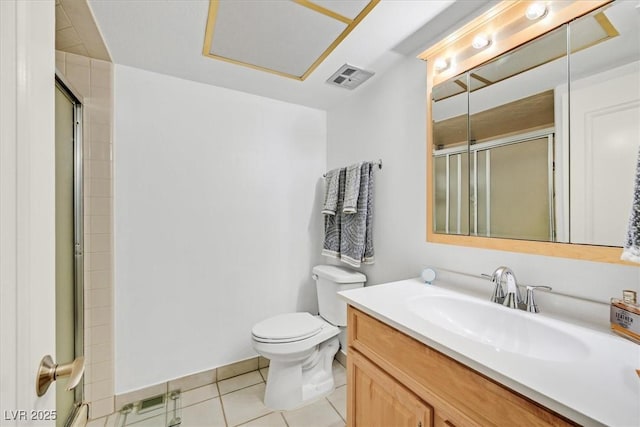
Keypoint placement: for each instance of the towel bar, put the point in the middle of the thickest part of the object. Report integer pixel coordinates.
(378, 163)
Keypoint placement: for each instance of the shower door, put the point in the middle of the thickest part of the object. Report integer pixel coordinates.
(499, 188)
(69, 245)
(512, 188)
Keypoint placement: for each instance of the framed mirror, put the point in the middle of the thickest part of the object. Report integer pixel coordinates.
(534, 149)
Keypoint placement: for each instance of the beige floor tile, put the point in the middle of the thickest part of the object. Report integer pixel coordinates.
(208, 413)
(134, 417)
(244, 405)
(339, 374)
(157, 421)
(339, 401)
(265, 373)
(198, 395)
(239, 382)
(274, 419)
(99, 422)
(111, 420)
(318, 414)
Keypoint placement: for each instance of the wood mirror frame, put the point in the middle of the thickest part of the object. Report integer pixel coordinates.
(509, 28)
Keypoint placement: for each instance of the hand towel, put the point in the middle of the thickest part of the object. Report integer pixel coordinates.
(356, 237)
(368, 257)
(333, 222)
(352, 188)
(331, 192)
(631, 251)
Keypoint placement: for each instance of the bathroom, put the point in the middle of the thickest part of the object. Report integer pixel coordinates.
(216, 204)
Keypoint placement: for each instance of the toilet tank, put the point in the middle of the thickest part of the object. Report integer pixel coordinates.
(330, 280)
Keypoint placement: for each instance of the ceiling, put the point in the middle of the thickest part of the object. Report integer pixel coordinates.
(76, 31)
(288, 38)
(167, 37)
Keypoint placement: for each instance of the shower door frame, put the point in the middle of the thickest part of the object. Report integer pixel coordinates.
(78, 232)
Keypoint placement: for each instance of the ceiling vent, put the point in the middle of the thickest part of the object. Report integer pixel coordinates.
(349, 77)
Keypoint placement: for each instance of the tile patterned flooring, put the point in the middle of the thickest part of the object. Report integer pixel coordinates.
(237, 401)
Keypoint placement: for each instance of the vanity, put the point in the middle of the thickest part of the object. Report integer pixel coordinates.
(424, 355)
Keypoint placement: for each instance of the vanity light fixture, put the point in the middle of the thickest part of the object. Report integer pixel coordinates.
(480, 41)
(536, 11)
(441, 64)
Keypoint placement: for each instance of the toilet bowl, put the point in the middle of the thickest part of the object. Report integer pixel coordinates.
(301, 346)
(304, 346)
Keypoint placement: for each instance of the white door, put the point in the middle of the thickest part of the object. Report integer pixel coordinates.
(605, 113)
(27, 223)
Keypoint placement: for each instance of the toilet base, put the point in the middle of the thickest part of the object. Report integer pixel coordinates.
(291, 385)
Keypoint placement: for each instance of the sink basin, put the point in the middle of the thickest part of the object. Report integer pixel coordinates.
(500, 327)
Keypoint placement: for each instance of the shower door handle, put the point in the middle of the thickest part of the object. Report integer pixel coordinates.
(48, 372)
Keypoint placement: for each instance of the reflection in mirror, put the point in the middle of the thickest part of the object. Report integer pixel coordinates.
(513, 126)
(451, 157)
(548, 143)
(605, 122)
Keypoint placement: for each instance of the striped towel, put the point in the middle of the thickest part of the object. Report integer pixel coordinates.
(349, 237)
(356, 243)
(368, 256)
(631, 251)
(333, 222)
(331, 192)
(352, 188)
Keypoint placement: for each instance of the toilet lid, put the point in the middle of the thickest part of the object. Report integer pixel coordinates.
(287, 327)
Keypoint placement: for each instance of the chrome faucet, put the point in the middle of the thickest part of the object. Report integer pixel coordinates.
(509, 297)
(509, 294)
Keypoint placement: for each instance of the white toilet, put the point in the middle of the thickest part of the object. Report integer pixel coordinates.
(301, 346)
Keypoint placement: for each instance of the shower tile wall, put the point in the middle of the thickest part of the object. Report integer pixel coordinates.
(93, 80)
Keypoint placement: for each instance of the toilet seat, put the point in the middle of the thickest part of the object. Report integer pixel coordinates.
(287, 328)
(293, 348)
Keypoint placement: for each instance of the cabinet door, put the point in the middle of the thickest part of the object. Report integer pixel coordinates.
(446, 419)
(377, 400)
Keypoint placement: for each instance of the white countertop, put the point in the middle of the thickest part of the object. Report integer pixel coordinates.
(600, 388)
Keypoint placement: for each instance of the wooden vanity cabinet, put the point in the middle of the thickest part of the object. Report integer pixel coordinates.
(382, 401)
(394, 380)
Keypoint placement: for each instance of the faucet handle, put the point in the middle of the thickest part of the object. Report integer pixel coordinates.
(529, 300)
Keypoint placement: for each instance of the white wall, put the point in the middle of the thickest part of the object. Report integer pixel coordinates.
(386, 119)
(216, 223)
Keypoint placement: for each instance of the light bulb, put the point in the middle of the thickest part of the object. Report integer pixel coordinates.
(441, 64)
(536, 11)
(480, 41)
